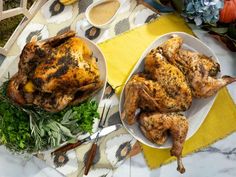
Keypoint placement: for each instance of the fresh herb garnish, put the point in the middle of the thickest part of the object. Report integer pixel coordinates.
(14, 126)
(31, 128)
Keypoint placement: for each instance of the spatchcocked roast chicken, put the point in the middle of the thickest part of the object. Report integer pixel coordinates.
(54, 73)
(172, 77)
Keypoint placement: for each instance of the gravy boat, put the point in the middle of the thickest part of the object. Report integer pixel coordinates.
(105, 25)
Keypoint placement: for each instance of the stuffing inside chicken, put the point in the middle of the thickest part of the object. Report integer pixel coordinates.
(155, 126)
(200, 70)
(54, 73)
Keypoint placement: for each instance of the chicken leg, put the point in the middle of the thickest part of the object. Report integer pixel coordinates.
(156, 125)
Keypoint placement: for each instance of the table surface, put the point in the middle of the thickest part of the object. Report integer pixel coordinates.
(217, 160)
(222, 154)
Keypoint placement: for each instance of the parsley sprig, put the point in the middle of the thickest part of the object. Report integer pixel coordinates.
(29, 129)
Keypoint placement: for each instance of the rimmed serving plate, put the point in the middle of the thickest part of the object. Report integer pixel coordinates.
(199, 108)
(97, 53)
(12, 68)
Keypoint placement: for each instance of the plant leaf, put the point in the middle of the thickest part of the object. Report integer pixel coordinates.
(66, 131)
(222, 30)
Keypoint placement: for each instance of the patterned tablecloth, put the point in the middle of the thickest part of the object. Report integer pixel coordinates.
(54, 18)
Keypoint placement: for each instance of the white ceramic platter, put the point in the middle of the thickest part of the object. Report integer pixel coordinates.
(199, 108)
(101, 65)
(13, 68)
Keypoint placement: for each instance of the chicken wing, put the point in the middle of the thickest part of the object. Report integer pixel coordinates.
(200, 70)
(155, 127)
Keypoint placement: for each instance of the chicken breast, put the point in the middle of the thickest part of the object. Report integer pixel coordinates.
(162, 88)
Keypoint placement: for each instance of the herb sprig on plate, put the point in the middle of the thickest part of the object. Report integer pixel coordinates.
(31, 128)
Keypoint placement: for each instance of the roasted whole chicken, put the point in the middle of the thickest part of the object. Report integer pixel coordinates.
(172, 76)
(155, 126)
(163, 87)
(54, 73)
(200, 70)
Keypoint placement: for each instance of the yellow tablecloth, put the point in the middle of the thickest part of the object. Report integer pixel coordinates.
(122, 53)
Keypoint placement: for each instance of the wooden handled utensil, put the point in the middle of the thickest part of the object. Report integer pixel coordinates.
(93, 150)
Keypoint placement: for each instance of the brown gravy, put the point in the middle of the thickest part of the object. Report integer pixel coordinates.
(102, 13)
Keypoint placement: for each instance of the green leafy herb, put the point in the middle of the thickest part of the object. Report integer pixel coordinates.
(14, 127)
(31, 128)
(84, 115)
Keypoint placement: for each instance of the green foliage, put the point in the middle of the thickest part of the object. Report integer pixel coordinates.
(14, 127)
(31, 128)
(84, 115)
(7, 27)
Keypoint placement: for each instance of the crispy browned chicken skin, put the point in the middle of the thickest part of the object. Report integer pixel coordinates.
(59, 71)
(155, 127)
(162, 88)
(171, 77)
(200, 70)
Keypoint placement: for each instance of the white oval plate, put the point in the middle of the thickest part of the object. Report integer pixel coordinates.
(101, 65)
(199, 108)
(13, 68)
